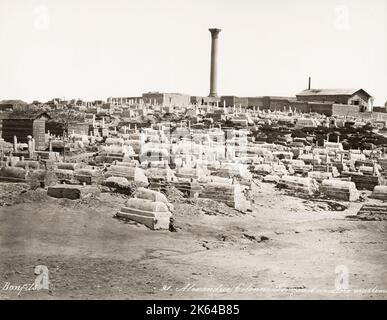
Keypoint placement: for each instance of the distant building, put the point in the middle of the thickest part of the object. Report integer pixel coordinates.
(274, 103)
(154, 98)
(200, 100)
(124, 100)
(379, 109)
(230, 101)
(10, 105)
(167, 99)
(355, 97)
(256, 102)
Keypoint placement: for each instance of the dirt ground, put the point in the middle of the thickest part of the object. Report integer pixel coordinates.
(286, 248)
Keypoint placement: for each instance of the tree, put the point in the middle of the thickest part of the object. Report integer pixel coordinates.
(65, 117)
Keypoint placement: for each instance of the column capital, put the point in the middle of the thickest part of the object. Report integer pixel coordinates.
(214, 32)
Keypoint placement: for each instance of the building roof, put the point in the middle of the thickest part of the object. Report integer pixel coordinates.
(331, 92)
(25, 116)
(281, 98)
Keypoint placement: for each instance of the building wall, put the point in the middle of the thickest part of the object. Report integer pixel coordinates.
(266, 103)
(380, 109)
(177, 100)
(255, 102)
(38, 133)
(231, 100)
(21, 128)
(153, 97)
(123, 100)
(244, 102)
(362, 101)
(283, 104)
(299, 106)
(339, 99)
(321, 108)
(346, 110)
(197, 100)
(350, 111)
(278, 104)
(167, 99)
(200, 100)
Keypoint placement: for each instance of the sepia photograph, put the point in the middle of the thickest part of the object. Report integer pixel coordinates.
(195, 150)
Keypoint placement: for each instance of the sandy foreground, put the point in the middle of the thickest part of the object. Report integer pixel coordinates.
(287, 248)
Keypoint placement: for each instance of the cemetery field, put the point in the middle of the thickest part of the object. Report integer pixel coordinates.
(287, 247)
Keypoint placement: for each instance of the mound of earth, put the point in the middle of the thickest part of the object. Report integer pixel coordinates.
(15, 193)
(174, 195)
(324, 205)
(371, 213)
(205, 206)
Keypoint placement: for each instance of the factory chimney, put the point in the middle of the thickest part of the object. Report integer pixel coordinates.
(214, 62)
(309, 83)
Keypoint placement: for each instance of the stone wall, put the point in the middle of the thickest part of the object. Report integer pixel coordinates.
(255, 102)
(21, 128)
(321, 108)
(231, 100)
(345, 110)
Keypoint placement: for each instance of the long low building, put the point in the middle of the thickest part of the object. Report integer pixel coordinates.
(353, 97)
(330, 102)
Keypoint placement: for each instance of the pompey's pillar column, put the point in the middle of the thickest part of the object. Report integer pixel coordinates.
(214, 62)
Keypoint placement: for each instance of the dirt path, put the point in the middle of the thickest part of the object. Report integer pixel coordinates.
(282, 249)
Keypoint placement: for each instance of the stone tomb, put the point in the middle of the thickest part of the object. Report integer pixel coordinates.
(301, 184)
(134, 174)
(231, 194)
(72, 192)
(379, 192)
(341, 190)
(149, 207)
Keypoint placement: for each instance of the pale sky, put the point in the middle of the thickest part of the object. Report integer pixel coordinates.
(93, 49)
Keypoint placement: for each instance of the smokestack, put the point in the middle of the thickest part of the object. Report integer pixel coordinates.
(309, 83)
(214, 62)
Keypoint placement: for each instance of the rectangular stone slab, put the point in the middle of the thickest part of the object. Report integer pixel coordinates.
(159, 221)
(71, 191)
